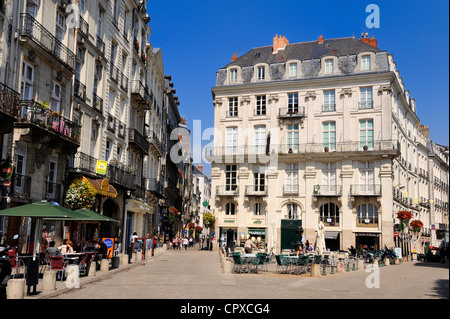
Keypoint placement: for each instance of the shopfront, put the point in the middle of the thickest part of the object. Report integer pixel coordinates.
(258, 236)
(367, 240)
(332, 240)
(228, 236)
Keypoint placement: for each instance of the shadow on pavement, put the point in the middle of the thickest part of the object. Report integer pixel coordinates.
(431, 264)
(440, 289)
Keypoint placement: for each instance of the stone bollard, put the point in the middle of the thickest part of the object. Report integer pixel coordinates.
(104, 265)
(397, 261)
(138, 256)
(387, 262)
(92, 269)
(124, 259)
(73, 276)
(227, 267)
(49, 280)
(15, 289)
(340, 266)
(315, 270)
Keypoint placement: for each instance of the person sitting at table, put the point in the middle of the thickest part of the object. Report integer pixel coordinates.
(66, 248)
(248, 246)
(51, 251)
(102, 249)
(299, 250)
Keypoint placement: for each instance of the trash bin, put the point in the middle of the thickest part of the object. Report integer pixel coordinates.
(115, 262)
(32, 275)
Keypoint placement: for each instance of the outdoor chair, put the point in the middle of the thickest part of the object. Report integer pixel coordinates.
(264, 259)
(282, 263)
(301, 265)
(57, 263)
(16, 263)
(239, 263)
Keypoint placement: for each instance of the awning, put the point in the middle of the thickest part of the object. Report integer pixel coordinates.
(102, 187)
(331, 234)
(93, 216)
(42, 209)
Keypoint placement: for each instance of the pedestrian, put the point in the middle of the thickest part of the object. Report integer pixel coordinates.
(248, 246)
(175, 243)
(180, 243)
(102, 249)
(51, 251)
(130, 246)
(185, 243)
(191, 242)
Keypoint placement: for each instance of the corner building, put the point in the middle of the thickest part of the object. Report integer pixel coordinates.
(318, 131)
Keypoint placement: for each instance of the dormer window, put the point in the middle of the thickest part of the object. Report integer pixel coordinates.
(261, 73)
(365, 62)
(329, 68)
(293, 70)
(233, 76)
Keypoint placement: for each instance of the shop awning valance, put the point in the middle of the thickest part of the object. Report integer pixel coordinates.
(331, 234)
(102, 187)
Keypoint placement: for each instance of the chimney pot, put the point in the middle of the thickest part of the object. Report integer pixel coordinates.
(279, 43)
(320, 40)
(200, 167)
(234, 57)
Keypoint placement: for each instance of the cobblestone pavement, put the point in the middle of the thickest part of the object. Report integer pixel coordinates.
(197, 274)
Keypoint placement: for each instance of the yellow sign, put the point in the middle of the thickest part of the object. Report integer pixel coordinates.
(101, 167)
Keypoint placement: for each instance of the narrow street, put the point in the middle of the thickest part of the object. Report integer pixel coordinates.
(196, 274)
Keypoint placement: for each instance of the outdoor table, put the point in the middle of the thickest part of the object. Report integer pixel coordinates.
(249, 258)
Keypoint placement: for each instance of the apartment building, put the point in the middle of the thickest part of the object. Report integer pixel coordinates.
(91, 90)
(315, 131)
(200, 195)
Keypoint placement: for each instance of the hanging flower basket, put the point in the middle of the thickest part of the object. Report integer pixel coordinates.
(80, 195)
(416, 225)
(404, 217)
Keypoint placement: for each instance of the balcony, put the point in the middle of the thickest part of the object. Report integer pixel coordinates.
(47, 41)
(83, 163)
(117, 76)
(138, 142)
(121, 132)
(327, 190)
(291, 189)
(227, 190)
(365, 190)
(289, 112)
(79, 90)
(121, 177)
(21, 186)
(155, 143)
(100, 45)
(49, 121)
(9, 105)
(365, 105)
(97, 103)
(340, 147)
(83, 27)
(140, 94)
(156, 187)
(256, 190)
(111, 125)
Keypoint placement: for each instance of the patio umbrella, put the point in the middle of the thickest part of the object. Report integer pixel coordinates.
(93, 216)
(320, 240)
(38, 210)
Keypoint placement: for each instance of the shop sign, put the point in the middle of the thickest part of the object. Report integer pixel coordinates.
(231, 221)
(6, 170)
(101, 167)
(258, 221)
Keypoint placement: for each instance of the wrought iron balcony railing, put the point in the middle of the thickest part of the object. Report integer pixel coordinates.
(47, 41)
(79, 90)
(140, 93)
(83, 27)
(138, 141)
(327, 190)
(338, 147)
(37, 114)
(290, 112)
(9, 101)
(100, 45)
(121, 177)
(83, 162)
(155, 187)
(289, 189)
(21, 186)
(365, 190)
(97, 103)
(256, 190)
(52, 191)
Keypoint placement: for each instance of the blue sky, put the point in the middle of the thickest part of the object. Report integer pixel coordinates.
(197, 37)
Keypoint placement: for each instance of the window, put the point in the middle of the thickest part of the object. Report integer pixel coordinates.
(51, 180)
(258, 209)
(366, 98)
(233, 76)
(293, 103)
(328, 186)
(259, 178)
(329, 214)
(60, 20)
(329, 136)
(231, 140)
(261, 73)
(260, 105)
(230, 177)
(232, 107)
(293, 70)
(230, 209)
(366, 134)
(107, 150)
(94, 136)
(119, 153)
(292, 211)
(367, 214)
(365, 62)
(115, 10)
(27, 81)
(56, 97)
(292, 137)
(329, 101)
(329, 68)
(99, 21)
(260, 139)
(366, 178)
(291, 182)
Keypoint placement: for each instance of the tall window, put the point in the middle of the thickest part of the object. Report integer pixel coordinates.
(56, 97)
(292, 102)
(258, 209)
(59, 32)
(107, 150)
(293, 70)
(260, 139)
(291, 183)
(260, 105)
(27, 81)
(367, 214)
(259, 179)
(328, 179)
(329, 214)
(94, 136)
(292, 211)
(230, 209)
(233, 76)
(230, 177)
(292, 137)
(366, 178)
(366, 98)
(232, 107)
(52, 172)
(365, 62)
(100, 22)
(231, 140)
(329, 135)
(329, 67)
(366, 134)
(329, 101)
(261, 73)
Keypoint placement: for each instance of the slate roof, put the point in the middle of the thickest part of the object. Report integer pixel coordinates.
(304, 51)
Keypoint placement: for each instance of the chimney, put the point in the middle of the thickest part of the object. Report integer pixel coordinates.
(200, 167)
(279, 43)
(373, 42)
(234, 57)
(424, 129)
(320, 40)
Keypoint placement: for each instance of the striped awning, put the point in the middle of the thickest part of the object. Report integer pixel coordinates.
(102, 187)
